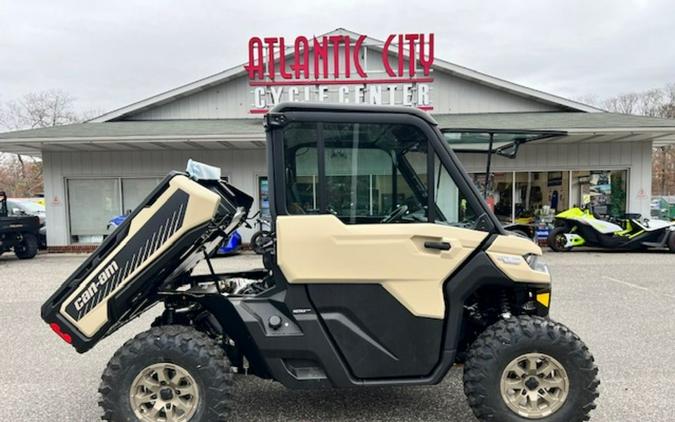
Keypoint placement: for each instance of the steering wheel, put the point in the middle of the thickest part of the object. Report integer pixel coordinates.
(395, 214)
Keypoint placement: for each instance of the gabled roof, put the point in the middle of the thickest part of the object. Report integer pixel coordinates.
(439, 65)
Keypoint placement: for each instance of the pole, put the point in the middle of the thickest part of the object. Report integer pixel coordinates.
(489, 163)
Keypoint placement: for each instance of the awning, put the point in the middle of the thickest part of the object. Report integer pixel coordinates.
(578, 127)
(248, 133)
(198, 134)
(499, 141)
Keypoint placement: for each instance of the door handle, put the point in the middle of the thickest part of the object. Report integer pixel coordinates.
(443, 246)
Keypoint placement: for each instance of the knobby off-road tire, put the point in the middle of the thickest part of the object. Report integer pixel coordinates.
(503, 343)
(553, 241)
(187, 350)
(28, 247)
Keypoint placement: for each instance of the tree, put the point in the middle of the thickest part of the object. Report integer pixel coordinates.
(22, 175)
(39, 109)
(652, 103)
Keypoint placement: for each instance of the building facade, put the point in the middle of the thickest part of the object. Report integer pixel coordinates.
(105, 167)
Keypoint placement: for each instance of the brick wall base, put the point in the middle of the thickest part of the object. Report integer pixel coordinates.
(72, 249)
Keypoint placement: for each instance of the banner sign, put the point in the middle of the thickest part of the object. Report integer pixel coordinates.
(339, 68)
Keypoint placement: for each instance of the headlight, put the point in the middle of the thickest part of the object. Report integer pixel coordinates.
(536, 262)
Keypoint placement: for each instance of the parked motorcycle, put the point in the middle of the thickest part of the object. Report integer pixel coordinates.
(581, 227)
(263, 238)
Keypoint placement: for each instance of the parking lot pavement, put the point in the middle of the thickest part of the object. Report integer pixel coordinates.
(621, 304)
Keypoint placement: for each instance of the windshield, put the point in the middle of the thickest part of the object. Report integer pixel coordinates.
(31, 207)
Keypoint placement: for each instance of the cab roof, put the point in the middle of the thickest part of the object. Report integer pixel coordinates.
(352, 108)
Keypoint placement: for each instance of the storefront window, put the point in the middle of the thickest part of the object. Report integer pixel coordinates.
(94, 202)
(603, 191)
(540, 195)
(499, 193)
(135, 190)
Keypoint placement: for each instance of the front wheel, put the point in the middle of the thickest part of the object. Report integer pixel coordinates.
(168, 373)
(28, 247)
(530, 368)
(557, 240)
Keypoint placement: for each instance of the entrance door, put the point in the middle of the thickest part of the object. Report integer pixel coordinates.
(390, 228)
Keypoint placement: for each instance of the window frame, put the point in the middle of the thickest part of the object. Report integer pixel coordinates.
(436, 149)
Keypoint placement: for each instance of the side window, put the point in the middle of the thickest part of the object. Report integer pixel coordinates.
(375, 173)
(452, 207)
(301, 168)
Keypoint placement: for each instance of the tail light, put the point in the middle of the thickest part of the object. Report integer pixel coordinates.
(65, 336)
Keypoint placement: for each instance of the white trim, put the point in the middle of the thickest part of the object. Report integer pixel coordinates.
(231, 73)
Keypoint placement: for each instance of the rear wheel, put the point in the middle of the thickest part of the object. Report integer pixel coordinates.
(168, 373)
(530, 368)
(557, 240)
(28, 247)
(671, 241)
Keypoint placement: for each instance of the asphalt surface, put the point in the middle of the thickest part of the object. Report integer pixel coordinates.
(621, 304)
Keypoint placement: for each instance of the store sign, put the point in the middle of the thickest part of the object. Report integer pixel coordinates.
(336, 68)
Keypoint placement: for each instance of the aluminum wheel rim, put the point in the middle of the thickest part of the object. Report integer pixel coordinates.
(534, 385)
(164, 392)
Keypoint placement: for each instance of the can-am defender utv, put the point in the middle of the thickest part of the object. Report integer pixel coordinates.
(387, 268)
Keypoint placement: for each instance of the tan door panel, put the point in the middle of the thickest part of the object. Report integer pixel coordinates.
(321, 249)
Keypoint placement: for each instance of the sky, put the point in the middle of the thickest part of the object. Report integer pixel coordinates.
(107, 54)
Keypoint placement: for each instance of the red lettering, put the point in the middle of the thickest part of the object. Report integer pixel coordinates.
(321, 52)
(255, 65)
(347, 56)
(412, 60)
(271, 42)
(301, 61)
(385, 56)
(336, 40)
(357, 56)
(426, 63)
(417, 49)
(400, 55)
(282, 59)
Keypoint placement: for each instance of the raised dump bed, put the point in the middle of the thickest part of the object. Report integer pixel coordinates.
(182, 221)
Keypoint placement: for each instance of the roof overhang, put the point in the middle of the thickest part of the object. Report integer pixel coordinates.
(160, 143)
(249, 133)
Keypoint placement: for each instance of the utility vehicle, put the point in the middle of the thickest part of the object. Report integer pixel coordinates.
(581, 227)
(386, 269)
(18, 232)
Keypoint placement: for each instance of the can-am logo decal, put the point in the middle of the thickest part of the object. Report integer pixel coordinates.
(341, 69)
(94, 285)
